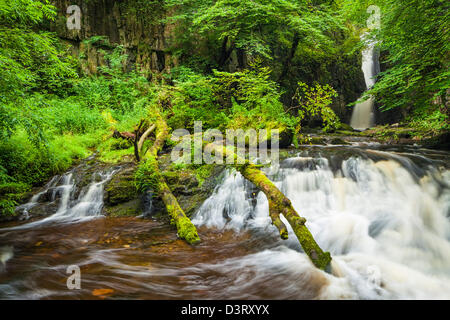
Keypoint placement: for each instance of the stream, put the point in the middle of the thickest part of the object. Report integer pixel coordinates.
(383, 212)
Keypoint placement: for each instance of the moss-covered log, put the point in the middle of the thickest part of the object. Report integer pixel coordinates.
(279, 204)
(186, 230)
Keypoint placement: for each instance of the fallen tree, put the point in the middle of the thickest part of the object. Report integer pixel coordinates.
(150, 169)
(279, 204)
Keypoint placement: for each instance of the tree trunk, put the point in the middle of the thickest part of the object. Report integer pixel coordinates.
(279, 204)
(287, 63)
(186, 230)
(225, 52)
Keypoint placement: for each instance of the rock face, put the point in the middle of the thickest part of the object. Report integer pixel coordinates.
(138, 27)
(133, 24)
(122, 199)
(121, 187)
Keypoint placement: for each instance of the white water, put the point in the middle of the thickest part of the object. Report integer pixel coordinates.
(24, 208)
(88, 205)
(363, 113)
(388, 230)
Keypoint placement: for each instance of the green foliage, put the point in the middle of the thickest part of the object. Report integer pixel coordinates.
(192, 100)
(10, 194)
(146, 177)
(314, 102)
(429, 120)
(30, 60)
(113, 88)
(69, 116)
(254, 26)
(414, 37)
(253, 99)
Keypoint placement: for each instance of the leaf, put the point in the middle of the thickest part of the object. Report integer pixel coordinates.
(102, 292)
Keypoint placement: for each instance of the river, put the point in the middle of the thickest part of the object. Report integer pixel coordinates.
(383, 212)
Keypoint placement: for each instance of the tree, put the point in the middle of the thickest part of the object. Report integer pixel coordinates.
(30, 60)
(413, 35)
(256, 27)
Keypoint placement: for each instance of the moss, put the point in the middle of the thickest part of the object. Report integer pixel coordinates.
(344, 127)
(187, 231)
(121, 188)
(115, 156)
(171, 177)
(348, 133)
(203, 172)
(128, 209)
(338, 141)
(316, 140)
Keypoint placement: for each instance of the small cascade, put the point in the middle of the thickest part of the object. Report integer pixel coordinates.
(88, 204)
(148, 203)
(65, 191)
(24, 208)
(229, 205)
(385, 223)
(363, 113)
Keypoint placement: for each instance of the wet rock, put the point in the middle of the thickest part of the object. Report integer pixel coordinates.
(126, 209)
(43, 209)
(121, 188)
(345, 127)
(317, 140)
(338, 141)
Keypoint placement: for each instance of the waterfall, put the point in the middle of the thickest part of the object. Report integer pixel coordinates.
(385, 222)
(24, 208)
(88, 204)
(363, 113)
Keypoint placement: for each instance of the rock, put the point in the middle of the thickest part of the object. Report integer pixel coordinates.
(121, 188)
(127, 209)
(338, 141)
(345, 127)
(441, 142)
(317, 140)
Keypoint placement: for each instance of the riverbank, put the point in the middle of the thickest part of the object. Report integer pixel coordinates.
(394, 134)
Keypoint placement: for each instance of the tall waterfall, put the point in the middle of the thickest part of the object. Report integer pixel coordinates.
(385, 222)
(363, 113)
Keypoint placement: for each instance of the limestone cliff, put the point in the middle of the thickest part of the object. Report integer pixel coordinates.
(134, 24)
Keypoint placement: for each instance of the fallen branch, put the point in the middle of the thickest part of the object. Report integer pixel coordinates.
(186, 230)
(143, 137)
(137, 138)
(279, 204)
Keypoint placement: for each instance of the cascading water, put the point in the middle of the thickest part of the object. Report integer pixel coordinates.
(386, 225)
(24, 208)
(363, 113)
(88, 204)
(383, 212)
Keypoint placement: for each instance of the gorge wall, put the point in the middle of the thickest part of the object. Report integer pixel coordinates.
(136, 25)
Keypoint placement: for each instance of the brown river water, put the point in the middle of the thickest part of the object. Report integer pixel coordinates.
(383, 213)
